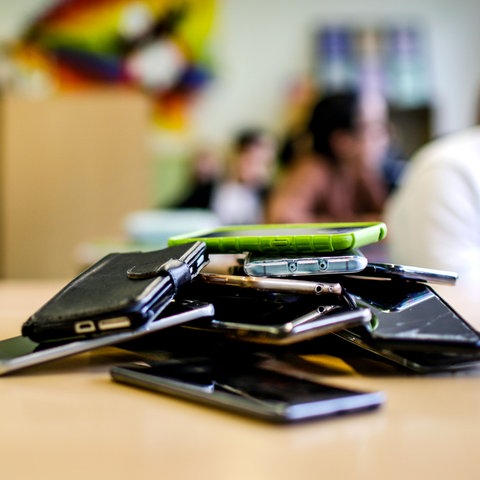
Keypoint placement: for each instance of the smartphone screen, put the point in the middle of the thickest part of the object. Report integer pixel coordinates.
(246, 389)
(280, 230)
(413, 325)
(413, 315)
(21, 352)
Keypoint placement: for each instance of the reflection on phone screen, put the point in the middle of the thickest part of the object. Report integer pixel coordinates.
(414, 327)
(246, 388)
(412, 312)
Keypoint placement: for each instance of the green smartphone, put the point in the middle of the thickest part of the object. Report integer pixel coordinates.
(291, 237)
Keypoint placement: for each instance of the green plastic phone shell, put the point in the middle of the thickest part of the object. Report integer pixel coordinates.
(370, 232)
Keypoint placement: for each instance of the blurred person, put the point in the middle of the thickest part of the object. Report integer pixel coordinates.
(340, 175)
(434, 216)
(236, 192)
(205, 175)
(239, 197)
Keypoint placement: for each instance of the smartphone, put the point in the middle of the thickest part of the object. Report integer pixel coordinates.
(272, 284)
(245, 388)
(416, 361)
(274, 315)
(20, 352)
(279, 238)
(411, 321)
(407, 272)
(351, 261)
(120, 292)
(274, 329)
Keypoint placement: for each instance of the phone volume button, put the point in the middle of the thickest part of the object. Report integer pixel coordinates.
(280, 242)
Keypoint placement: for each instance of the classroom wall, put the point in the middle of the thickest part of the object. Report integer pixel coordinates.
(263, 45)
(260, 47)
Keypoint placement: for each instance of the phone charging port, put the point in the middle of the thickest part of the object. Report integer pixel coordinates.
(85, 326)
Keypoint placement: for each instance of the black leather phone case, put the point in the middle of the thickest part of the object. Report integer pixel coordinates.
(121, 291)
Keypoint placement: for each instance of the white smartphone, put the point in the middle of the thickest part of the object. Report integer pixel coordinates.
(285, 266)
(20, 352)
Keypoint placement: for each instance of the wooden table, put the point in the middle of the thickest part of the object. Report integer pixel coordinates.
(68, 420)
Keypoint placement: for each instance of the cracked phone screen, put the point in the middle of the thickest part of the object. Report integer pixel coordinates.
(411, 312)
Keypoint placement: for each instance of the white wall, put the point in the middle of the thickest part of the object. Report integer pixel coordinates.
(262, 45)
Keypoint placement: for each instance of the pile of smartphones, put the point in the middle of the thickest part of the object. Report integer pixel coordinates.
(237, 338)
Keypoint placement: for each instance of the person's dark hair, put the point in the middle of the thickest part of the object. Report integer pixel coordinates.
(333, 112)
(247, 137)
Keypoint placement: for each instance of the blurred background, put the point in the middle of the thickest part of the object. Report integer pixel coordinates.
(108, 106)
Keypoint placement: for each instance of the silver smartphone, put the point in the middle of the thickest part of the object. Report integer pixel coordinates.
(278, 285)
(20, 352)
(246, 388)
(408, 272)
(285, 266)
(270, 329)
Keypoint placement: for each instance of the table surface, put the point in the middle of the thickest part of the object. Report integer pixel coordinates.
(67, 419)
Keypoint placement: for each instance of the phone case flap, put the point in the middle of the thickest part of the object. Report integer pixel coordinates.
(178, 271)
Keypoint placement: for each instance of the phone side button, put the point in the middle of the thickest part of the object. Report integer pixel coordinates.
(280, 242)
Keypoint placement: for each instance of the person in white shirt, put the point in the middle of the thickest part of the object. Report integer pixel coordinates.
(433, 218)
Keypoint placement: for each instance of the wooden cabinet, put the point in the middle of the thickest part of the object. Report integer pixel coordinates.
(72, 166)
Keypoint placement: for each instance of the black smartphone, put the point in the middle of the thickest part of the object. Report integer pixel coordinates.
(413, 360)
(246, 388)
(412, 325)
(20, 352)
(120, 292)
